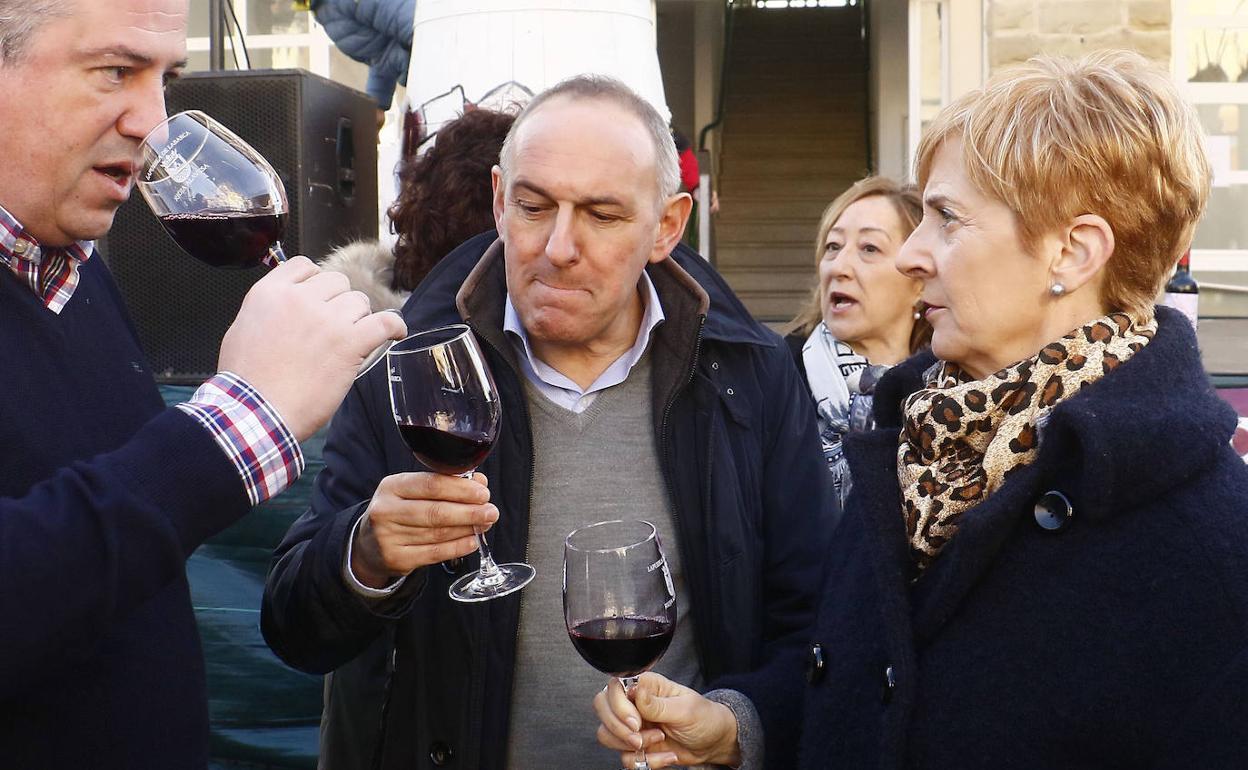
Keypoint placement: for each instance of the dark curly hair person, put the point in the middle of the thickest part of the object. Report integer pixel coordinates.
(445, 198)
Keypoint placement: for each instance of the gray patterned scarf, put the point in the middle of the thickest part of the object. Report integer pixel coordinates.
(842, 383)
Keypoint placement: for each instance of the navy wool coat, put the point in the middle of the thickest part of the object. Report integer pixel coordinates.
(1110, 634)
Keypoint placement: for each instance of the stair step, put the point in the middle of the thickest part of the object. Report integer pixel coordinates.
(761, 168)
(765, 20)
(837, 138)
(785, 124)
(772, 279)
(822, 188)
(740, 155)
(778, 62)
(816, 86)
(799, 112)
(769, 230)
(741, 97)
(752, 207)
(811, 42)
(816, 150)
(811, 85)
(777, 309)
(752, 254)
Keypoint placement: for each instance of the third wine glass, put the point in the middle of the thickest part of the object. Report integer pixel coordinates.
(619, 601)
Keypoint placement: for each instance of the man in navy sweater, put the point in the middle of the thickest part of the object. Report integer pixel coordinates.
(104, 492)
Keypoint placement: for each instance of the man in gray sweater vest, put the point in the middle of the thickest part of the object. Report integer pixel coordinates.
(634, 385)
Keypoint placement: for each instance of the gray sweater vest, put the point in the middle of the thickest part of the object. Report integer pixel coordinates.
(598, 465)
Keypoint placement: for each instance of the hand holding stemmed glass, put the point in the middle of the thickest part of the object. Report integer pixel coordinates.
(217, 197)
(447, 409)
(619, 601)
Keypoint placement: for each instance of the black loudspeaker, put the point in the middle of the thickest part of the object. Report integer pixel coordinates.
(319, 136)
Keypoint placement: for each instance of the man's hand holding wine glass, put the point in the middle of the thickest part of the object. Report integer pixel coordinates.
(418, 519)
(300, 339)
(681, 727)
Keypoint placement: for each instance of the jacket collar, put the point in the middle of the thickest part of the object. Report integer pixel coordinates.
(470, 282)
(1104, 448)
(1101, 444)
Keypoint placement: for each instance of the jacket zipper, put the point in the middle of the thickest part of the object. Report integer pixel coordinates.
(667, 470)
(532, 473)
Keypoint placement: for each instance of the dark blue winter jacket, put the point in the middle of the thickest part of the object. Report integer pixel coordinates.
(376, 32)
(736, 435)
(1110, 633)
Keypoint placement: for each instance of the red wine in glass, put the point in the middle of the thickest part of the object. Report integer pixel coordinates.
(447, 409)
(217, 197)
(619, 602)
(226, 239)
(446, 451)
(622, 647)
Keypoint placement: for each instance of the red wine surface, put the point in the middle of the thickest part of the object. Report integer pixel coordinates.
(622, 646)
(226, 240)
(446, 452)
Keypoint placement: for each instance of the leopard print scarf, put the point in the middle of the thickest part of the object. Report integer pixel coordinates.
(962, 438)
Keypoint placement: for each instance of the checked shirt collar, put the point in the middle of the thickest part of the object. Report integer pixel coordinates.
(50, 272)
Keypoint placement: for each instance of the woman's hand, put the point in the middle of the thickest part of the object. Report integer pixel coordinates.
(681, 727)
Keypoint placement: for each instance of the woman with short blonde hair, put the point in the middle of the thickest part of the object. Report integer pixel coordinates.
(1044, 561)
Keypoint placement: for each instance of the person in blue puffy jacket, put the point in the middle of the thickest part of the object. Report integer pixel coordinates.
(375, 32)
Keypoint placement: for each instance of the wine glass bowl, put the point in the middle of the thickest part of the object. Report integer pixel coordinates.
(619, 601)
(447, 410)
(446, 406)
(217, 197)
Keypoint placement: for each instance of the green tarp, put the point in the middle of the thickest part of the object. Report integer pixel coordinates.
(263, 713)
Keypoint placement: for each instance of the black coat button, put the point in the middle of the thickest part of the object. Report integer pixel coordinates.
(440, 754)
(890, 684)
(814, 663)
(1053, 511)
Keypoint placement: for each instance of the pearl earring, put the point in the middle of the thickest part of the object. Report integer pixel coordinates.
(1057, 290)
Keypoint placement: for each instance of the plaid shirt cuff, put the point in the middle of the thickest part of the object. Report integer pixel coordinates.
(251, 433)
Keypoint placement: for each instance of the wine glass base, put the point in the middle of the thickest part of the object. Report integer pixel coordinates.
(509, 579)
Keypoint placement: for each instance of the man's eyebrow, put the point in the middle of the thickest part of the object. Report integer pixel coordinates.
(936, 201)
(127, 55)
(603, 200)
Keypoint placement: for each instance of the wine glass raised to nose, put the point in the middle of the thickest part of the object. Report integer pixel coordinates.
(619, 602)
(217, 197)
(447, 409)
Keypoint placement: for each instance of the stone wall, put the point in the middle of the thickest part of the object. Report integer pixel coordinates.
(1020, 29)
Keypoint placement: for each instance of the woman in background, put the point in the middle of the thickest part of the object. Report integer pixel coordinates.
(1044, 562)
(445, 198)
(863, 315)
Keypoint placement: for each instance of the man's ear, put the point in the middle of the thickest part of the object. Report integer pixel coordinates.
(496, 180)
(1086, 246)
(672, 221)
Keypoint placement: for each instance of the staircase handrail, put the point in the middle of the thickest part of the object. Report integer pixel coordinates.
(718, 118)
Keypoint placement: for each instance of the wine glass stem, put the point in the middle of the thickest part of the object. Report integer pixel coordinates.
(276, 255)
(488, 573)
(639, 761)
